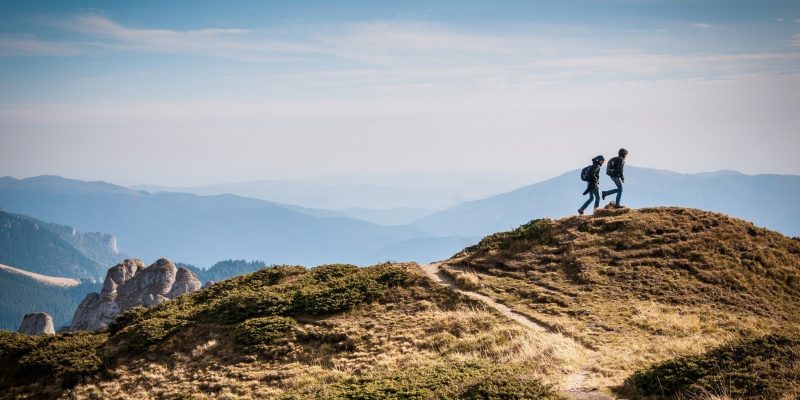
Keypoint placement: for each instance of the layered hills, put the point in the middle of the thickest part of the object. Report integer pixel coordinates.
(762, 199)
(613, 303)
(46, 267)
(201, 230)
(56, 250)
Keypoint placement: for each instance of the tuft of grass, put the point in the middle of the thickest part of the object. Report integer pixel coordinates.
(764, 367)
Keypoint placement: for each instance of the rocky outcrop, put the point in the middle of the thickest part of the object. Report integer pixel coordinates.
(37, 324)
(130, 284)
(185, 282)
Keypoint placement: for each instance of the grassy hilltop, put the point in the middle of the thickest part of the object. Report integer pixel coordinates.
(642, 286)
(652, 302)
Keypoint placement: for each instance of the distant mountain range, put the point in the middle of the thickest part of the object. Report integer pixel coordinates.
(56, 250)
(388, 200)
(203, 229)
(767, 200)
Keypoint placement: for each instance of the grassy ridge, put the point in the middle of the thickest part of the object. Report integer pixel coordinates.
(335, 331)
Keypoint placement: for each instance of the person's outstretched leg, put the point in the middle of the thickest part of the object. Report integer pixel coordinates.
(618, 190)
(618, 182)
(596, 195)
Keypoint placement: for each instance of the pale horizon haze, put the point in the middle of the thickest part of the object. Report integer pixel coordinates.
(196, 93)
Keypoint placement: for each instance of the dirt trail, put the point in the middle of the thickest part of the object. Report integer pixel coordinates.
(574, 385)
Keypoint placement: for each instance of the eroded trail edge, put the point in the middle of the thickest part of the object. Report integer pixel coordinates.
(575, 383)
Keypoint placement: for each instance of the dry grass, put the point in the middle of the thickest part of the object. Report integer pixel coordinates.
(643, 286)
(417, 328)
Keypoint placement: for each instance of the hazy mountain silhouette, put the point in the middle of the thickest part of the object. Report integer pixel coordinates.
(200, 229)
(56, 250)
(767, 200)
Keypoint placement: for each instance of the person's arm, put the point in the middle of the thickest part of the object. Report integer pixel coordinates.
(622, 170)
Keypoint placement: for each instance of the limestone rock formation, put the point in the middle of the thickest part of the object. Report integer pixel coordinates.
(130, 284)
(185, 282)
(37, 324)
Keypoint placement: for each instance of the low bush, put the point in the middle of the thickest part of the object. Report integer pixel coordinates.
(457, 381)
(765, 367)
(241, 305)
(65, 357)
(255, 333)
(538, 231)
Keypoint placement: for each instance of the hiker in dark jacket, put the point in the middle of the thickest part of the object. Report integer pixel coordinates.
(615, 171)
(592, 183)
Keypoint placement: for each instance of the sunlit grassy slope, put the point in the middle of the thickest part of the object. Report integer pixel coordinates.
(335, 331)
(642, 286)
(660, 302)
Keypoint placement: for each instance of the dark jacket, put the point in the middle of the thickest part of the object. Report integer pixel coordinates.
(620, 171)
(594, 177)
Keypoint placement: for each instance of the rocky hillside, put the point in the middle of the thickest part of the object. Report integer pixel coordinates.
(641, 286)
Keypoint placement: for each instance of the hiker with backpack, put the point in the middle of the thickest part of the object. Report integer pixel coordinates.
(614, 170)
(591, 175)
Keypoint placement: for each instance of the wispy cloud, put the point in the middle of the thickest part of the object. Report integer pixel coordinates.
(703, 25)
(411, 53)
(29, 45)
(221, 42)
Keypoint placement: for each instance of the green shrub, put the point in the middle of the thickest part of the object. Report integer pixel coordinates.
(327, 273)
(258, 332)
(764, 367)
(13, 344)
(335, 288)
(69, 357)
(456, 381)
(150, 331)
(538, 231)
(240, 306)
(503, 385)
(126, 318)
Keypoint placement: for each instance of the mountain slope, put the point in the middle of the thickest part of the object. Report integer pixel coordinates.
(630, 290)
(336, 331)
(641, 286)
(21, 294)
(45, 279)
(764, 199)
(200, 230)
(55, 250)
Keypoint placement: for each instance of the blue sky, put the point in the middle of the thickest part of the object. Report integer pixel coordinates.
(201, 92)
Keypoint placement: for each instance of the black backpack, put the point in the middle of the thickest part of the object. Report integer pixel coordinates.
(586, 173)
(613, 167)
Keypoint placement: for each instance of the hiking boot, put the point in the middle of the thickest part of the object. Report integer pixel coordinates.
(580, 211)
(618, 205)
(603, 195)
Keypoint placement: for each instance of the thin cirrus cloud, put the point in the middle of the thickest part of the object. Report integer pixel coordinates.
(31, 45)
(217, 42)
(391, 53)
